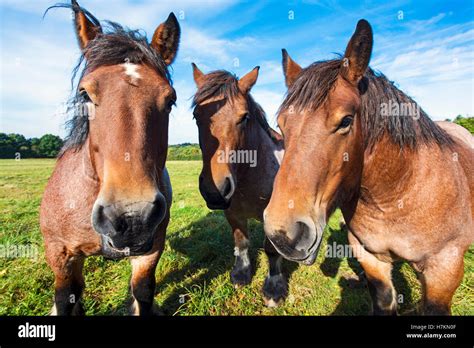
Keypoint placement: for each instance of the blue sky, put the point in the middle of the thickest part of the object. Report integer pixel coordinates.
(426, 47)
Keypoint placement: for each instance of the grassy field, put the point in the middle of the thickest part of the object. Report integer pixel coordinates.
(193, 274)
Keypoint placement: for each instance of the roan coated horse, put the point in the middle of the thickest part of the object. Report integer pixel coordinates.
(241, 156)
(110, 193)
(405, 184)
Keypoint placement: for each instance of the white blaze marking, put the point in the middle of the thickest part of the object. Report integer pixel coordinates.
(279, 155)
(131, 70)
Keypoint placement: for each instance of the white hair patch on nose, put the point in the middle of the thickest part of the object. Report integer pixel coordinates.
(131, 70)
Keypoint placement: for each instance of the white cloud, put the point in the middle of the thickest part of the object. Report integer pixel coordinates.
(437, 71)
(271, 72)
(211, 52)
(35, 82)
(34, 121)
(270, 102)
(148, 14)
(445, 100)
(422, 24)
(36, 69)
(182, 126)
(37, 7)
(143, 14)
(430, 61)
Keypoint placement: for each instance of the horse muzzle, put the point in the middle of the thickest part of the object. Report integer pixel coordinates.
(299, 242)
(111, 251)
(217, 197)
(128, 229)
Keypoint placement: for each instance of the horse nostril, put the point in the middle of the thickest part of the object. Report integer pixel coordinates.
(103, 220)
(156, 211)
(304, 237)
(227, 190)
(281, 242)
(99, 214)
(121, 225)
(296, 242)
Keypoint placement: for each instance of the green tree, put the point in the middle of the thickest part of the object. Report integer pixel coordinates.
(49, 145)
(18, 140)
(34, 147)
(11, 144)
(184, 152)
(7, 146)
(466, 122)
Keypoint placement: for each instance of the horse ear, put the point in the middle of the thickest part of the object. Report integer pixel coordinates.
(166, 39)
(247, 81)
(290, 68)
(198, 75)
(357, 56)
(87, 27)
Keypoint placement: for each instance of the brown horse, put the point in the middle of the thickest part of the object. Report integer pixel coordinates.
(405, 186)
(110, 192)
(241, 155)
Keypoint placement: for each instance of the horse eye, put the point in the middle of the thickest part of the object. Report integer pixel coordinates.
(346, 122)
(243, 120)
(171, 103)
(84, 96)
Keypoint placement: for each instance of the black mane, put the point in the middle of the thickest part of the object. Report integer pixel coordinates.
(311, 88)
(224, 84)
(217, 83)
(115, 45)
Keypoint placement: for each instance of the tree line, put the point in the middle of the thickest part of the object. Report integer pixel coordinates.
(466, 122)
(18, 146)
(184, 152)
(49, 145)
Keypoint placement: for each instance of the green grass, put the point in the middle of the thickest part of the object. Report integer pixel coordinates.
(195, 266)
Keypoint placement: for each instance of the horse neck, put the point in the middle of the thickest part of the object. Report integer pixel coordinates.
(84, 162)
(388, 171)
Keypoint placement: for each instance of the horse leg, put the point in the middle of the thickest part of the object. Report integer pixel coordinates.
(69, 281)
(143, 280)
(379, 279)
(440, 277)
(275, 287)
(241, 273)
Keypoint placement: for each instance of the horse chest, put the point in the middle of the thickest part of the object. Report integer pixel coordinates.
(372, 237)
(388, 238)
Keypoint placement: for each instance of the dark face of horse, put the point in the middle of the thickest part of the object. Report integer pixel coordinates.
(323, 152)
(221, 121)
(129, 105)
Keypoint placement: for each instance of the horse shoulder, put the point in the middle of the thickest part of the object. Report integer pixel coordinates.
(68, 198)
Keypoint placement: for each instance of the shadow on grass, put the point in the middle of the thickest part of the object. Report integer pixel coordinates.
(209, 246)
(355, 298)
